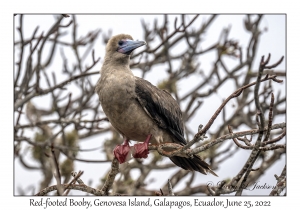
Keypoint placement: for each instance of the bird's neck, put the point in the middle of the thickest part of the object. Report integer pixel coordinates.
(116, 59)
(110, 66)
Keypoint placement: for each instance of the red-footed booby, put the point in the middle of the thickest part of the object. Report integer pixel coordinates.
(139, 110)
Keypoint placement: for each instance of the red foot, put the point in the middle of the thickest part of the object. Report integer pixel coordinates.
(121, 152)
(141, 150)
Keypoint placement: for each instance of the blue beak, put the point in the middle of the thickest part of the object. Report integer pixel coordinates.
(127, 46)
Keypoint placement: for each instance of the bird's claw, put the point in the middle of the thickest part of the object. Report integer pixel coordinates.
(121, 152)
(140, 150)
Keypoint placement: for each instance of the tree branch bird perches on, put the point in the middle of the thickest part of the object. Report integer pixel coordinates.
(139, 110)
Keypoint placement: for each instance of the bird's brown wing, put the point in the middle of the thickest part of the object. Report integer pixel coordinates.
(165, 111)
(161, 107)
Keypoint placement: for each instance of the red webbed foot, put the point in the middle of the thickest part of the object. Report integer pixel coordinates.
(121, 152)
(141, 150)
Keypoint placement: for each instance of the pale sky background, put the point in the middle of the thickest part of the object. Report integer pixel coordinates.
(272, 41)
(112, 7)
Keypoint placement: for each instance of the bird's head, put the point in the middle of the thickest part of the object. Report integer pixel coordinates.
(120, 47)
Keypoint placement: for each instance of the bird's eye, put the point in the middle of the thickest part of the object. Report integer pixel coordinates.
(120, 42)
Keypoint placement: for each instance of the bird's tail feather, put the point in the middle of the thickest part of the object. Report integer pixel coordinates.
(192, 164)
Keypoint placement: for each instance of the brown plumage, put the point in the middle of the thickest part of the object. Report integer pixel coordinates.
(138, 109)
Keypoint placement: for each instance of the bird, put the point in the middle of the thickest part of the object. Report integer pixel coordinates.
(138, 110)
